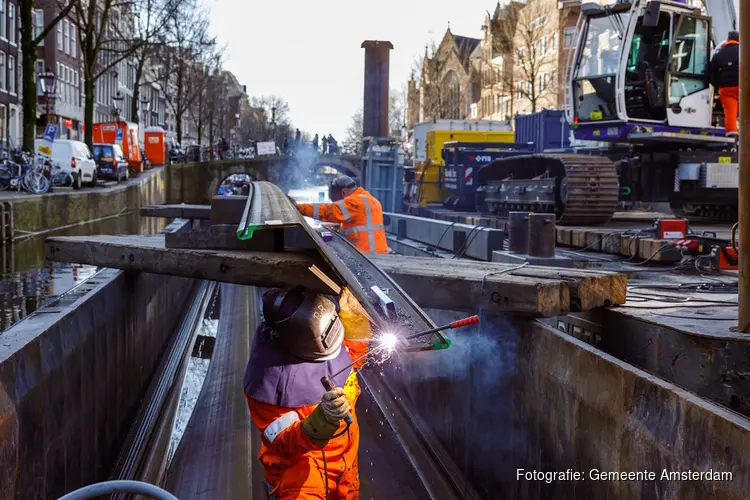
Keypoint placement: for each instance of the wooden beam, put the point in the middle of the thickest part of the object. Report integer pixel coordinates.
(177, 211)
(586, 289)
(148, 254)
(441, 285)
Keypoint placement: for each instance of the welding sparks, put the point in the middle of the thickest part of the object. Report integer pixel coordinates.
(388, 342)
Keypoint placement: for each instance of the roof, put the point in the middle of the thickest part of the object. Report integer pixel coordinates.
(465, 46)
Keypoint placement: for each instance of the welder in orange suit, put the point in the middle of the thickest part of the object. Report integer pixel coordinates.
(308, 451)
(358, 212)
(724, 73)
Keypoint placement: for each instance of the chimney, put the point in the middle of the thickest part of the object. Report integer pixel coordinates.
(375, 116)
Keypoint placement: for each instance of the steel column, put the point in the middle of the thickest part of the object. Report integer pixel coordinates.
(541, 241)
(518, 232)
(744, 186)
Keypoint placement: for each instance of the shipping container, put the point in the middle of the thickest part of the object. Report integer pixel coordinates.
(419, 135)
(548, 130)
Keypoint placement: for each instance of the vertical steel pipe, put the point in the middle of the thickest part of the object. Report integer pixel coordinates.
(541, 235)
(518, 232)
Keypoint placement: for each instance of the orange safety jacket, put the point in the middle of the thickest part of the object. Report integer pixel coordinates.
(294, 466)
(361, 218)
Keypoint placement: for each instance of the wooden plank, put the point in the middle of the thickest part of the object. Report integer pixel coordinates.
(588, 289)
(658, 250)
(470, 290)
(177, 211)
(149, 254)
(564, 236)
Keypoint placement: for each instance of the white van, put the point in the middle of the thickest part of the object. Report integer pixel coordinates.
(74, 158)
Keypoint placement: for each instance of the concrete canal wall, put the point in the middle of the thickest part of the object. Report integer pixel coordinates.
(521, 395)
(41, 212)
(72, 377)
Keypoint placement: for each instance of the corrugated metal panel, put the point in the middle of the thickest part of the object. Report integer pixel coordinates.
(383, 174)
(548, 130)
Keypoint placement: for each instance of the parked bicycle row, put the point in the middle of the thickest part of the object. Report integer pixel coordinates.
(64, 163)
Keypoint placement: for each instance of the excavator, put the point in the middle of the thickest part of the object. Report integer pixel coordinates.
(637, 86)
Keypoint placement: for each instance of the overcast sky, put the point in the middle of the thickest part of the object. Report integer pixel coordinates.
(309, 52)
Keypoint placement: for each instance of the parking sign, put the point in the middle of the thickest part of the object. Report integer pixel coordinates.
(50, 132)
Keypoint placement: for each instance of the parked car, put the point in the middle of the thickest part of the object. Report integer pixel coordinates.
(73, 157)
(111, 162)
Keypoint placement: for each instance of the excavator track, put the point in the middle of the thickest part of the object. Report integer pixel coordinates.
(579, 189)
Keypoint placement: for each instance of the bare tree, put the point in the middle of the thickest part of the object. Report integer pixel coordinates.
(430, 67)
(185, 49)
(150, 19)
(354, 132)
(533, 30)
(31, 36)
(266, 118)
(397, 109)
(104, 44)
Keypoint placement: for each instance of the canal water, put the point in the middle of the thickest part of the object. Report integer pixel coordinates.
(27, 281)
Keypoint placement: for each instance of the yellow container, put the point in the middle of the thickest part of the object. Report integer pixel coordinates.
(429, 172)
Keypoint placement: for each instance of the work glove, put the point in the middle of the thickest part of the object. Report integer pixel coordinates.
(354, 318)
(335, 405)
(324, 420)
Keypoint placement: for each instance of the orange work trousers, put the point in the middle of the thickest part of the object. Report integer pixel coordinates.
(730, 101)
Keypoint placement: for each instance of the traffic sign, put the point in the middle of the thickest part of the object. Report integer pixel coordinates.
(118, 136)
(50, 132)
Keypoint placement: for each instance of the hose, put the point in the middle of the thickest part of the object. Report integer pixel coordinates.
(110, 487)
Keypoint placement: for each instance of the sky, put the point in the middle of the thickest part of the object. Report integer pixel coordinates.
(310, 54)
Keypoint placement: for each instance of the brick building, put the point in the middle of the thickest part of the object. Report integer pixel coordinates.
(10, 88)
(60, 53)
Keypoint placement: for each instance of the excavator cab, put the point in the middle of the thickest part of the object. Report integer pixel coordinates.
(644, 62)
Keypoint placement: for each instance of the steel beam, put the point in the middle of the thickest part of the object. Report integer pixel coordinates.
(464, 240)
(744, 188)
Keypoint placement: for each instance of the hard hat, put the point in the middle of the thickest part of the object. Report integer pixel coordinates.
(305, 323)
(339, 183)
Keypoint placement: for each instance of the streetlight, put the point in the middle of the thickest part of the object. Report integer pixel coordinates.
(116, 100)
(273, 122)
(47, 81)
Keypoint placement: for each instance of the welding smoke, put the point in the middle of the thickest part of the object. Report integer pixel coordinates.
(301, 171)
(468, 395)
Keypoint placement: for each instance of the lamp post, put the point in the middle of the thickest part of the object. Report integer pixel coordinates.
(47, 81)
(116, 101)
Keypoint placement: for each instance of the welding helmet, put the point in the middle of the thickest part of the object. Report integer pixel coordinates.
(339, 183)
(306, 324)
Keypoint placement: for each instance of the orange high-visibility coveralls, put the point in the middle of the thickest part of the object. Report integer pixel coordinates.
(730, 101)
(361, 218)
(293, 464)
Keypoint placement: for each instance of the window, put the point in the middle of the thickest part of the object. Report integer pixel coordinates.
(554, 41)
(12, 22)
(519, 91)
(543, 46)
(39, 24)
(450, 92)
(542, 82)
(73, 40)
(568, 36)
(553, 79)
(12, 74)
(507, 109)
(3, 80)
(3, 34)
(59, 36)
(66, 35)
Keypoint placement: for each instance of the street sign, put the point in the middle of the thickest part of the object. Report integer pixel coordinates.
(118, 136)
(266, 148)
(50, 132)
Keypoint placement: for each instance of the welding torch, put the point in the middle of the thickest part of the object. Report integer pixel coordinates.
(328, 381)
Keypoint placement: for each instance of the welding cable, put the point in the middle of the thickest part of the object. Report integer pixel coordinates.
(119, 486)
(432, 251)
(465, 247)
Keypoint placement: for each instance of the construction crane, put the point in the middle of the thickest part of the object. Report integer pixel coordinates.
(637, 85)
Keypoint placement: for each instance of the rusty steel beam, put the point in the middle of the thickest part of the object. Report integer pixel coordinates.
(375, 115)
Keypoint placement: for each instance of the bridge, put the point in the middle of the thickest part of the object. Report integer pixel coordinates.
(199, 182)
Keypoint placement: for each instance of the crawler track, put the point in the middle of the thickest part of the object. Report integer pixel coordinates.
(580, 190)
